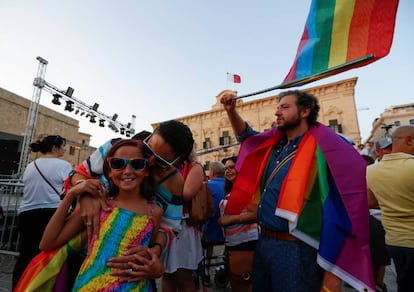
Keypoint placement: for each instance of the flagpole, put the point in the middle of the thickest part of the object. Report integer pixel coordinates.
(227, 80)
(308, 79)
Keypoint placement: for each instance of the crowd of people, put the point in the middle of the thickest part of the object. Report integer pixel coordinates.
(286, 207)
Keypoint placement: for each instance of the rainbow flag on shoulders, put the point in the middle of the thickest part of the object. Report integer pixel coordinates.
(323, 197)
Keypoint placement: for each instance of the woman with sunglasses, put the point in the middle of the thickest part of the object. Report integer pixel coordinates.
(133, 219)
(43, 183)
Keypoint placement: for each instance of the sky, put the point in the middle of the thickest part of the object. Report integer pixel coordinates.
(163, 59)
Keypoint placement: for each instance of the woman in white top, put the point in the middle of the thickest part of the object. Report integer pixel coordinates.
(43, 182)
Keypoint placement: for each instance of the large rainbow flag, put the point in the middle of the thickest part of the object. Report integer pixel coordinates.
(340, 35)
(46, 271)
(323, 197)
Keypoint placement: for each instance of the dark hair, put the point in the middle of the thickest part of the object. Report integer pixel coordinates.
(141, 135)
(304, 100)
(148, 185)
(368, 159)
(232, 158)
(228, 184)
(47, 144)
(178, 136)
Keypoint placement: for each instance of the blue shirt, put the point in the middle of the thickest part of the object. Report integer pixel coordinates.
(212, 230)
(267, 205)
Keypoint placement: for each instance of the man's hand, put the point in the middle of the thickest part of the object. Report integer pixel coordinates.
(140, 263)
(228, 101)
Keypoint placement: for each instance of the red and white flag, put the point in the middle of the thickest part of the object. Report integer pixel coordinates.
(233, 78)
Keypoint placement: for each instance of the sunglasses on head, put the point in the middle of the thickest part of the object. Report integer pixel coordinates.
(118, 163)
(161, 162)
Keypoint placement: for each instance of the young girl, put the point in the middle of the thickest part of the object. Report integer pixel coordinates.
(133, 220)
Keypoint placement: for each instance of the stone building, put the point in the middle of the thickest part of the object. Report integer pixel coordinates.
(214, 138)
(392, 117)
(14, 111)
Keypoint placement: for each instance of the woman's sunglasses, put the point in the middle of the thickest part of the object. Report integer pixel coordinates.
(161, 162)
(118, 163)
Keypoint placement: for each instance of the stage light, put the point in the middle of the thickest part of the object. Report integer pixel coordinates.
(69, 91)
(69, 106)
(56, 99)
(114, 117)
(77, 111)
(122, 131)
(95, 106)
(128, 133)
(101, 123)
(129, 125)
(113, 127)
(82, 113)
(92, 119)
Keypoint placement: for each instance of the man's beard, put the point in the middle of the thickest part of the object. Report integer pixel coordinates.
(290, 124)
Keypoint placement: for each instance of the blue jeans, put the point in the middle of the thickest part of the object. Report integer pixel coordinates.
(280, 265)
(403, 258)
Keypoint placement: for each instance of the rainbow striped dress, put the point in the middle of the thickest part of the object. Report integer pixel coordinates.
(120, 230)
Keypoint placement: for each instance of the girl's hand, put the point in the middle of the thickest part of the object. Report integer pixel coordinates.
(91, 201)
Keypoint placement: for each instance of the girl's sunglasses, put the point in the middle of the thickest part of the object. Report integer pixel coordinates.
(118, 163)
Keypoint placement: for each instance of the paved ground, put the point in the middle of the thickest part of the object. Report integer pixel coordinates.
(7, 264)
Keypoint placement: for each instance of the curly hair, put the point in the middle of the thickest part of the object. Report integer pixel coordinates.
(148, 185)
(304, 100)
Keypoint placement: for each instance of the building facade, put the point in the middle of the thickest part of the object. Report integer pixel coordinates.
(392, 117)
(14, 111)
(214, 137)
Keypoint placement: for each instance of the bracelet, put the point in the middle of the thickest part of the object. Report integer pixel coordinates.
(79, 181)
(326, 288)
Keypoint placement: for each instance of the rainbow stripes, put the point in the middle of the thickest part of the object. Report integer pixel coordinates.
(119, 231)
(325, 206)
(43, 271)
(340, 35)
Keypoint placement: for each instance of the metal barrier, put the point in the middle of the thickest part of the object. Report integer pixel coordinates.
(11, 192)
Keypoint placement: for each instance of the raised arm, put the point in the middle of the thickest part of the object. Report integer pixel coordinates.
(229, 104)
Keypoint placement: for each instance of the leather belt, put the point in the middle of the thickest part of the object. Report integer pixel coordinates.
(279, 235)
